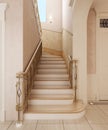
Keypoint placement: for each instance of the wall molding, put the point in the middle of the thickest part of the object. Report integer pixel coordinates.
(51, 30)
(3, 7)
(67, 31)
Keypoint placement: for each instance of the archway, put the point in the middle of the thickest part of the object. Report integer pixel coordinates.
(80, 14)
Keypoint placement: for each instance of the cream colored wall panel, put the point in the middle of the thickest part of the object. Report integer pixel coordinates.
(13, 53)
(0, 69)
(30, 31)
(67, 45)
(91, 42)
(52, 40)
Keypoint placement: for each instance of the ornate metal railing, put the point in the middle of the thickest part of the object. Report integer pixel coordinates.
(73, 72)
(25, 82)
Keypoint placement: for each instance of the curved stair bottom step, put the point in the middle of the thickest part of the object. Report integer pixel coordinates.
(45, 116)
(61, 112)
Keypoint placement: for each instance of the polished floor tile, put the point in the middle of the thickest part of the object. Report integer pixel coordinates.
(99, 127)
(81, 124)
(49, 127)
(96, 118)
(5, 125)
(27, 125)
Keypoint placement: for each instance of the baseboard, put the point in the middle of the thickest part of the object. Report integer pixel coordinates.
(98, 102)
(52, 51)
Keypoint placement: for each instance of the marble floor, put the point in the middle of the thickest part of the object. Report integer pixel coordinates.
(96, 118)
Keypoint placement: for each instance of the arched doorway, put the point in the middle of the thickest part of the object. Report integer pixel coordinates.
(97, 52)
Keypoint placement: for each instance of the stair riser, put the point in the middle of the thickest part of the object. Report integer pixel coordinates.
(51, 83)
(51, 87)
(53, 78)
(51, 59)
(50, 102)
(52, 62)
(52, 92)
(43, 116)
(52, 66)
(52, 71)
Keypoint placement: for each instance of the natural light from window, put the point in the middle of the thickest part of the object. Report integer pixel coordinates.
(42, 10)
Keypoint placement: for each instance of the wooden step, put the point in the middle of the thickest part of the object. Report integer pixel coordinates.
(51, 87)
(56, 66)
(51, 83)
(51, 62)
(50, 56)
(52, 71)
(51, 59)
(74, 111)
(53, 77)
(49, 99)
(52, 91)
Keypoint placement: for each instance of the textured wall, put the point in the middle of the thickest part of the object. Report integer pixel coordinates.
(13, 53)
(67, 44)
(30, 31)
(91, 43)
(52, 40)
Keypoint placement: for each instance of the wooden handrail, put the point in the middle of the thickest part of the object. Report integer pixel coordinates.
(31, 60)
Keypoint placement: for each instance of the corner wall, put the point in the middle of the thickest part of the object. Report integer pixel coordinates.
(52, 31)
(80, 14)
(67, 35)
(30, 31)
(13, 54)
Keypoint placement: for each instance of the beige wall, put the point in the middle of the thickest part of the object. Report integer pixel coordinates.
(30, 32)
(94, 79)
(52, 36)
(91, 42)
(80, 14)
(13, 54)
(91, 55)
(52, 40)
(0, 69)
(67, 44)
(54, 9)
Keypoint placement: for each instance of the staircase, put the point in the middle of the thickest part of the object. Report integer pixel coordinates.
(52, 96)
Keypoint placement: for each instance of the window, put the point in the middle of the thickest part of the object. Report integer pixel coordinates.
(42, 10)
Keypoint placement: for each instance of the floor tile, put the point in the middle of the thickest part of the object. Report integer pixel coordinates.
(5, 125)
(49, 121)
(80, 124)
(27, 125)
(99, 127)
(49, 127)
(95, 116)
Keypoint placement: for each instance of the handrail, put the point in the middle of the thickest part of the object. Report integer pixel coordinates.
(31, 60)
(25, 80)
(73, 72)
(35, 5)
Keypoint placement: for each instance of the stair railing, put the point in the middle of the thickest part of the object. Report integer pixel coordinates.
(36, 9)
(25, 83)
(73, 75)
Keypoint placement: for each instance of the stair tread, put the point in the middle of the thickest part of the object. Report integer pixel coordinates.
(51, 87)
(52, 66)
(75, 107)
(51, 97)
